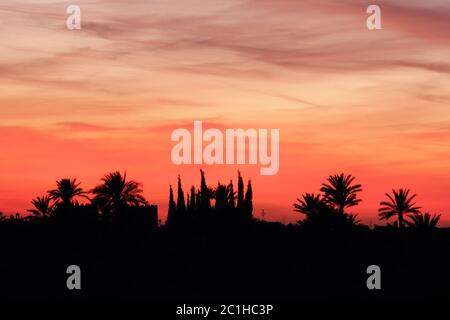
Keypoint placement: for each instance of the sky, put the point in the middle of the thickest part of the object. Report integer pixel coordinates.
(82, 103)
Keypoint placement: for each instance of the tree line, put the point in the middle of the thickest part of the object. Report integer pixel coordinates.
(228, 204)
(328, 210)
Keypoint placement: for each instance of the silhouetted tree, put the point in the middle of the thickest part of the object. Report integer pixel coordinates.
(2, 216)
(231, 196)
(198, 200)
(248, 201)
(424, 221)
(240, 195)
(192, 203)
(340, 192)
(399, 205)
(319, 215)
(66, 192)
(220, 194)
(351, 220)
(181, 205)
(172, 209)
(188, 202)
(43, 208)
(116, 193)
(205, 193)
(310, 204)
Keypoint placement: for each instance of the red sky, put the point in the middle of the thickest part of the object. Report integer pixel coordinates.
(85, 102)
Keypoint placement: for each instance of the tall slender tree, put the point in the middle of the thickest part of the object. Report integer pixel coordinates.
(181, 205)
(240, 194)
(172, 208)
(231, 196)
(205, 193)
(248, 201)
(193, 197)
(198, 200)
(188, 202)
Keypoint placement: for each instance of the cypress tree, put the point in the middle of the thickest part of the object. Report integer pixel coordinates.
(197, 200)
(192, 204)
(205, 193)
(172, 209)
(188, 202)
(240, 195)
(249, 201)
(231, 195)
(181, 205)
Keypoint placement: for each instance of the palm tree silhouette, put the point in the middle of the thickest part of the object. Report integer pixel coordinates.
(351, 220)
(43, 207)
(310, 204)
(424, 221)
(66, 192)
(116, 192)
(399, 205)
(321, 215)
(340, 193)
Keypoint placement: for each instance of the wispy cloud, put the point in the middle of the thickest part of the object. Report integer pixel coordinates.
(138, 69)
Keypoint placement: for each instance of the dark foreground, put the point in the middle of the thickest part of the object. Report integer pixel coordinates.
(259, 262)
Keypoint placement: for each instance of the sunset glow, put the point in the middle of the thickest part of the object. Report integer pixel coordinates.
(81, 103)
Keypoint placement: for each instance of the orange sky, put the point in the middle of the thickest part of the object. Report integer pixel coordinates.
(85, 102)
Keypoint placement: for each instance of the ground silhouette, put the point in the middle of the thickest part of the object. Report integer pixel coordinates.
(211, 248)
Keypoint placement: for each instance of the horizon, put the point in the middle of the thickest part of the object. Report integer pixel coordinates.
(293, 217)
(82, 103)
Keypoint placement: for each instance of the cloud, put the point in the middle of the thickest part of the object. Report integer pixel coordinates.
(233, 41)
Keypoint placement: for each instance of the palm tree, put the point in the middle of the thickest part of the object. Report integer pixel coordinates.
(351, 220)
(340, 193)
(43, 207)
(399, 205)
(423, 221)
(310, 204)
(321, 215)
(66, 192)
(318, 215)
(116, 192)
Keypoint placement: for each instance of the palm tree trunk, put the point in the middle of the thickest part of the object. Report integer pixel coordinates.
(341, 210)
